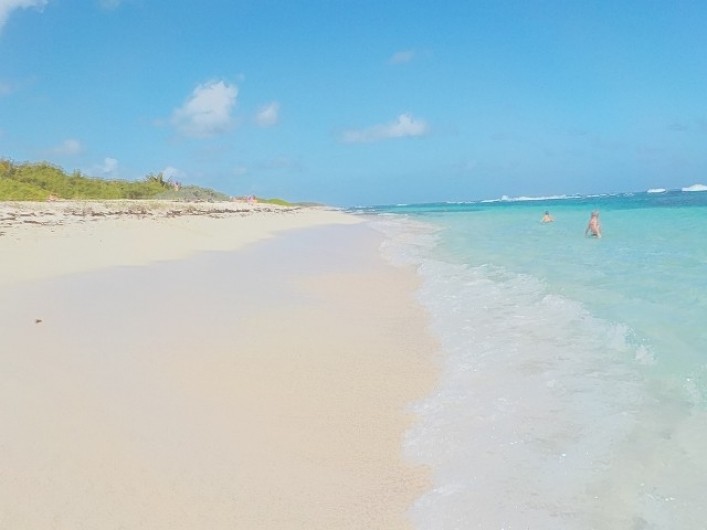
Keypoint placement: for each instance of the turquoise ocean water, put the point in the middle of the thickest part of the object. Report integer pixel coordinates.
(573, 385)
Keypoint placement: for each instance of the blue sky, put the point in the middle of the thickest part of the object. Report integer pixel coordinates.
(361, 102)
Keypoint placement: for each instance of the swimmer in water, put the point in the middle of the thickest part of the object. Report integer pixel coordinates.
(547, 218)
(594, 226)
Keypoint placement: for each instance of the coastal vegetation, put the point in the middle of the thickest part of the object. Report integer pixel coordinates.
(41, 181)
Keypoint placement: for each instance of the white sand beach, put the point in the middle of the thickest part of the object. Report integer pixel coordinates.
(41, 240)
(232, 369)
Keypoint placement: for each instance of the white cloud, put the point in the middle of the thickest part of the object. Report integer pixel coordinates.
(268, 115)
(7, 6)
(6, 88)
(402, 57)
(12, 86)
(404, 125)
(171, 172)
(109, 167)
(68, 147)
(207, 112)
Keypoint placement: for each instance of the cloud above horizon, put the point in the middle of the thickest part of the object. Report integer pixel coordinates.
(7, 6)
(172, 173)
(268, 115)
(404, 126)
(107, 169)
(402, 57)
(109, 166)
(207, 112)
(6, 88)
(68, 147)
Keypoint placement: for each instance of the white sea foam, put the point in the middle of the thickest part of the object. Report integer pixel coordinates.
(523, 421)
(656, 190)
(544, 416)
(695, 187)
(522, 198)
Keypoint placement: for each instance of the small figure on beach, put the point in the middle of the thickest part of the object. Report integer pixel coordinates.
(594, 226)
(547, 218)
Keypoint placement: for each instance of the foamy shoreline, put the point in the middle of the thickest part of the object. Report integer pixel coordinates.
(155, 379)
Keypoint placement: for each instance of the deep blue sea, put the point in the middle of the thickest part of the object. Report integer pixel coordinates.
(573, 384)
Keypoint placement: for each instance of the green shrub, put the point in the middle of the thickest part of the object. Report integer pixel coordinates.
(40, 180)
(11, 190)
(279, 202)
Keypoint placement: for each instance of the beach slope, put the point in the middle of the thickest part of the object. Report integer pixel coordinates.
(191, 380)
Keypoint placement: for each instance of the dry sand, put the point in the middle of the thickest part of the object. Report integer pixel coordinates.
(40, 240)
(266, 388)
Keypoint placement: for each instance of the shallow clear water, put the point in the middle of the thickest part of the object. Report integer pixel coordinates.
(573, 391)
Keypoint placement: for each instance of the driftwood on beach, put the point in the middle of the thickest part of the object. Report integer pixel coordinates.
(63, 212)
